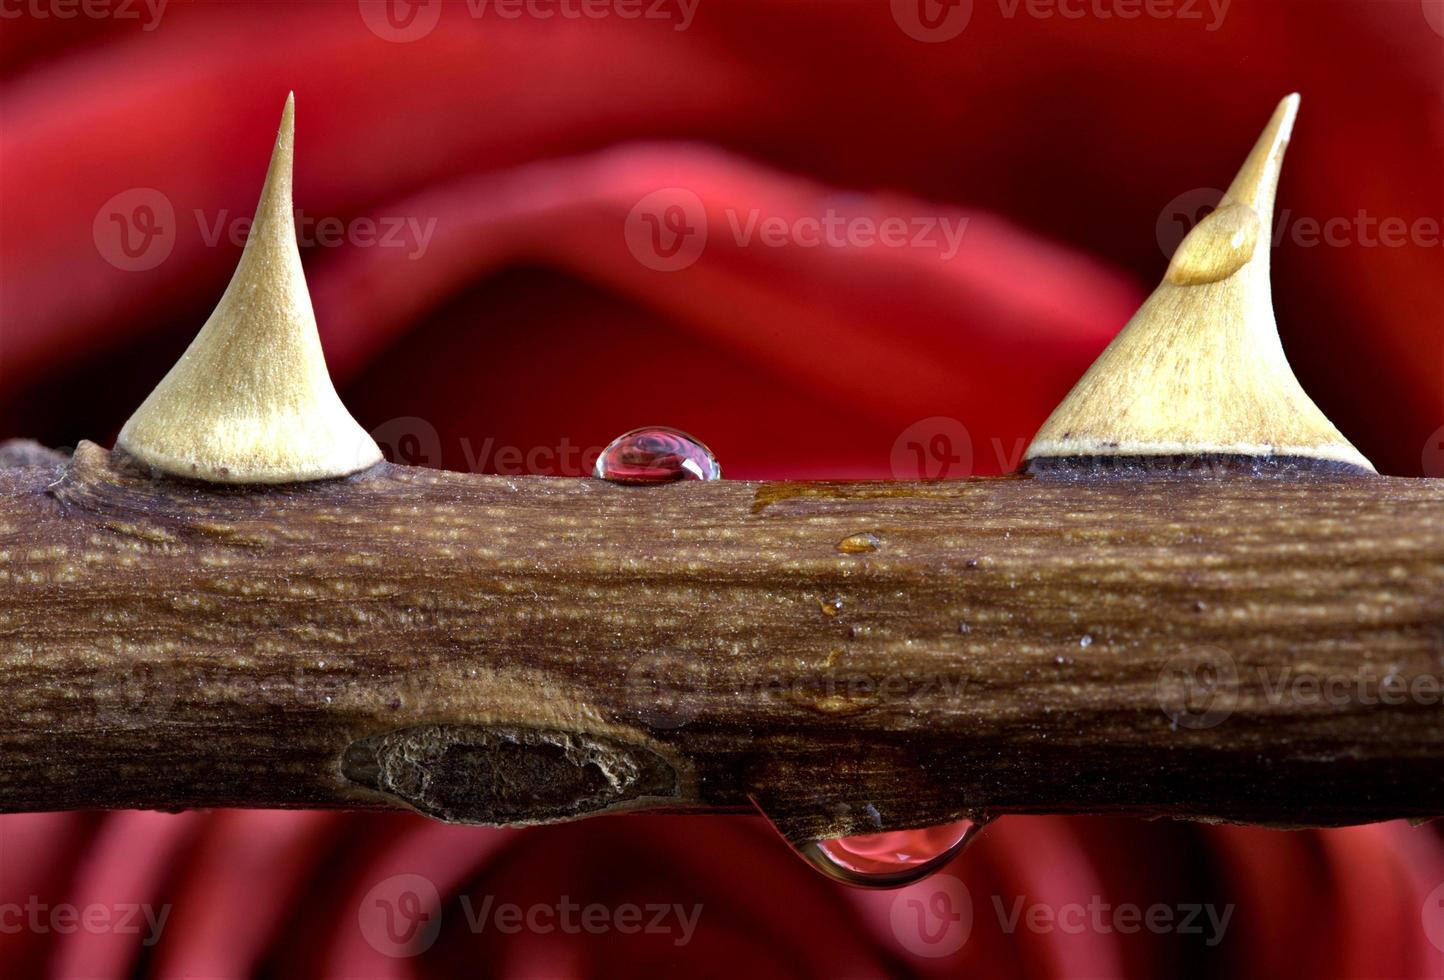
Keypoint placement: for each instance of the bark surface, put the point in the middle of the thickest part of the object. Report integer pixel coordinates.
(853, 656)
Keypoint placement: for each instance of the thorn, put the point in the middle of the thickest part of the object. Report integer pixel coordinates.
(251, 401)
(1199, 370)
(1258, 178)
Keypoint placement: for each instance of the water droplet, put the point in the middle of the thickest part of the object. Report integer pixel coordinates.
(656, 454)
(857, 544)
(1086, 641)
(1217, 247)
(890, 859)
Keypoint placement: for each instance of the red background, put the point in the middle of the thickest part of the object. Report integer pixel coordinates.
(1073, 145)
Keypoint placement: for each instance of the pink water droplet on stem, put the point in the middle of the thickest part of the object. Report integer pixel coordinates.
(890, 859)
(656, 454)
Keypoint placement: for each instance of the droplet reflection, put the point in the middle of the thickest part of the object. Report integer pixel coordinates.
(891, 859)
(656, 454)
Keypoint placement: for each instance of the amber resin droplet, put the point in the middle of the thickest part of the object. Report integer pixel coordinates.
(859, 544)
(656, 454)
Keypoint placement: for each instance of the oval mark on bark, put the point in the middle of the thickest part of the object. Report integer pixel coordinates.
(500, 775)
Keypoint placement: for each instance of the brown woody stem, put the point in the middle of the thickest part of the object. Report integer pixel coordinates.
(1215, 646)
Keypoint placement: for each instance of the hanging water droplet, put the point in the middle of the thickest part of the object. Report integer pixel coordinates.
(890, 859)
(1085, 641)
(656, 454)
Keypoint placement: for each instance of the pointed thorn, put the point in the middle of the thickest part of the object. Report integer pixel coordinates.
(1258, 178)
(1199, 371)
(251, 401)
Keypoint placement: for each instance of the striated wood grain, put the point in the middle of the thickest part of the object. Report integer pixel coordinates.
(851, 655)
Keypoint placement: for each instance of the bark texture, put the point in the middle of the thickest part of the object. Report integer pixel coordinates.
(1255, 648)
